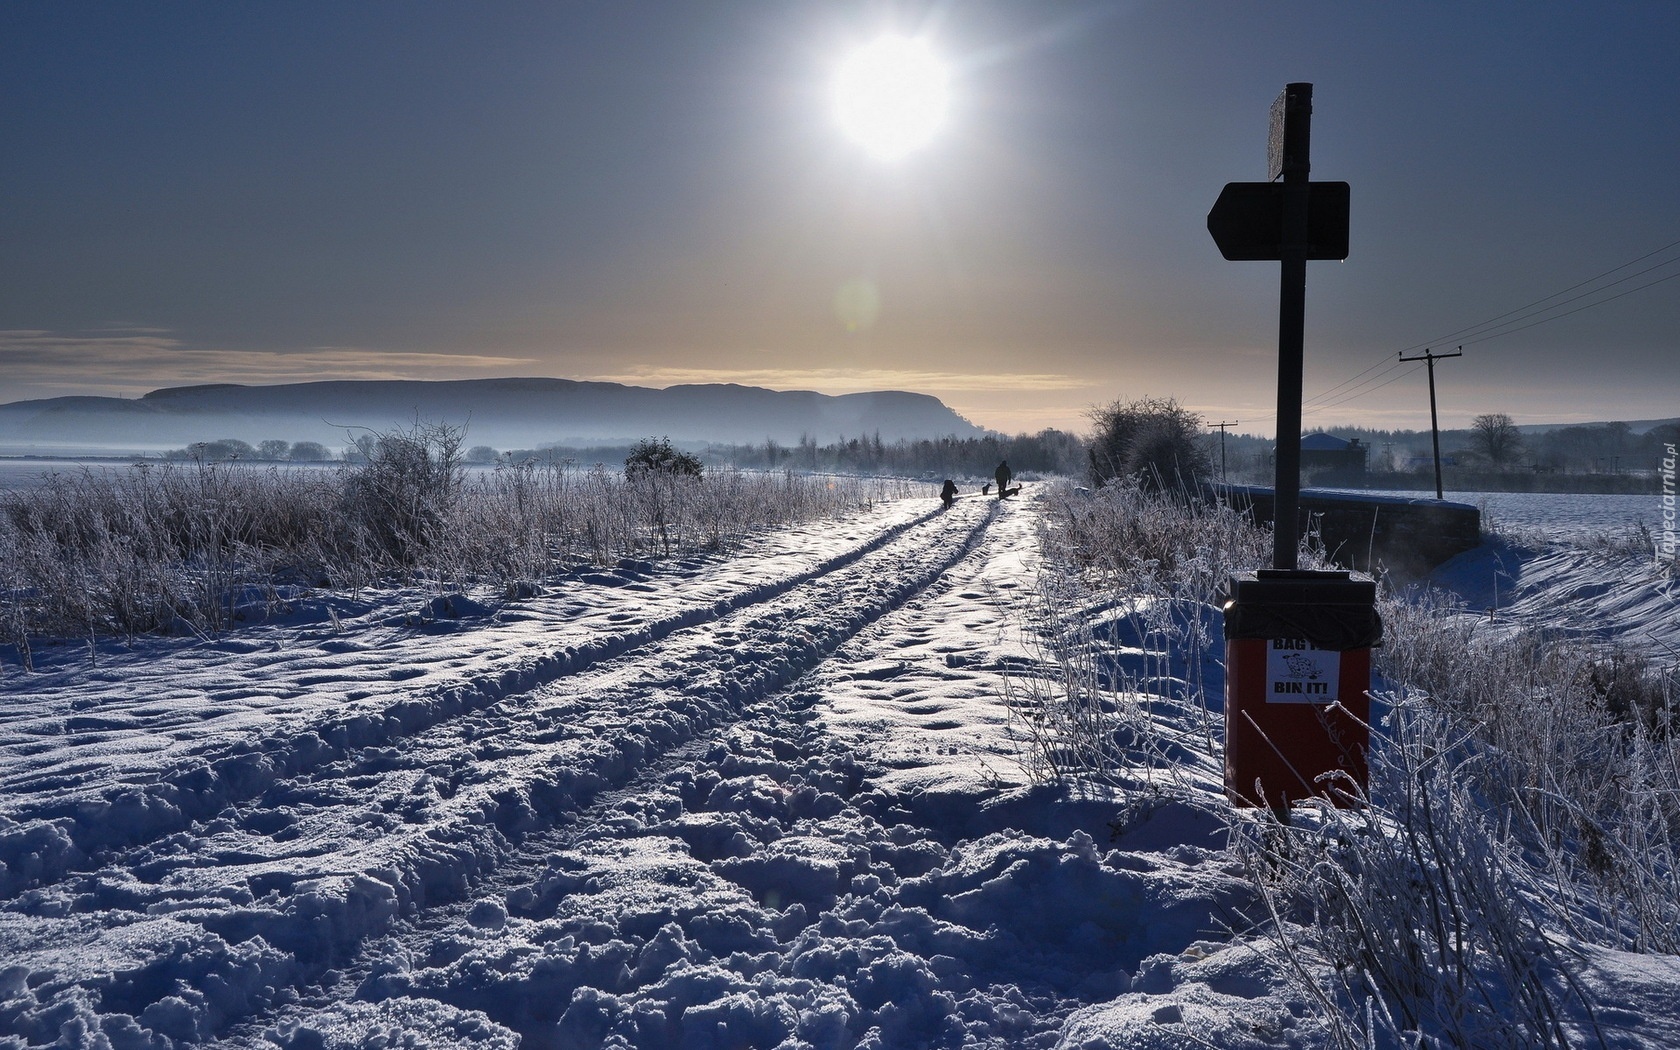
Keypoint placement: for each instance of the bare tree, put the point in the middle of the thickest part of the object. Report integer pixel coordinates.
(1496, 436)
(1154, 439)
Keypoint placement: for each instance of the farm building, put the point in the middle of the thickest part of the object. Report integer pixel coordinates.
(1324, 453)
(1328, 452)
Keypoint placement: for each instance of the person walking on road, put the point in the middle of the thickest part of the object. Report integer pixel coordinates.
(948, 494)
(1003, 475)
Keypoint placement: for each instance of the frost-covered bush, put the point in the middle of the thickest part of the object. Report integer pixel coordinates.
(1585, 766)
(1408, 918)
(196, 546)
(656, 457)
(1523, 783)
(1155, 442)
(404, 494)
(1129, 537)
(152, 547)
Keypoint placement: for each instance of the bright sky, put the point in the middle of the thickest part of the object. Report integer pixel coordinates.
(658, 193)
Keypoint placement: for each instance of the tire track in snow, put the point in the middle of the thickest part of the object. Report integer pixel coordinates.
(757, 886)
(268, 898)
(45, 836)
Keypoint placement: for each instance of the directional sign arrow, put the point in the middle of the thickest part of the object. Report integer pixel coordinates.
(1247, 221)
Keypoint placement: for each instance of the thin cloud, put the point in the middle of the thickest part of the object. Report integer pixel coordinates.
(846, 380)
(128, 362)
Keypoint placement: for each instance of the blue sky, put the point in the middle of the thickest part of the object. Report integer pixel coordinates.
(658, 193)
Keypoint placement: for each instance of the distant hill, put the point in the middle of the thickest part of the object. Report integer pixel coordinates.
(503, 413)
(1636, 426)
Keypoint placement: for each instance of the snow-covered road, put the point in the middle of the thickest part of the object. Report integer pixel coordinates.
(764, 800)
(716, 802)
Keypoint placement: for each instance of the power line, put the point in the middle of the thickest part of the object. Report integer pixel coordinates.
(1310, 407)
(1599, 302)
(1359, 390)
(1591, 280)
(1483, 331)
(1485, 328)
(1369, 386)
(1362, 393)
(1326, 393)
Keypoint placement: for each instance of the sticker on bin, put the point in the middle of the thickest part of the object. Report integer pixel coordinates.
(1298, 672)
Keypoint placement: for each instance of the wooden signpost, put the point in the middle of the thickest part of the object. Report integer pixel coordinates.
(1293, 222)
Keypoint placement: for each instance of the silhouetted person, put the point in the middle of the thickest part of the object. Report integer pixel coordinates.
(1003, 475)
(948, 494)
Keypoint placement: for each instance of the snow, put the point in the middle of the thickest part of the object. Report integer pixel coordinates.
(775, 799)
(1557, 516)
(1621, 596)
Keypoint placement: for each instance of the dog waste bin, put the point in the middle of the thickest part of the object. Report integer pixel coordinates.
(1297, 680)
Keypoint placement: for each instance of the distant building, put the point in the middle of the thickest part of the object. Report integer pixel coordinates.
(1326, 452)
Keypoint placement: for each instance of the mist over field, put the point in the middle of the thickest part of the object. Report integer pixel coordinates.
(507, 413)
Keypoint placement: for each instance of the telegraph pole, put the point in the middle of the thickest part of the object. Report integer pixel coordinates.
(1221, 428)
(1434, 426)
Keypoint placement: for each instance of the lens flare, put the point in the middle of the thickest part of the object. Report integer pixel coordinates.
(857, 303)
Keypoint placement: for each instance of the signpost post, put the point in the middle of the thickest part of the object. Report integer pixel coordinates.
(1292, 222)
(1297, 641)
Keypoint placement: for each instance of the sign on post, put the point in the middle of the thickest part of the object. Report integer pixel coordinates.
(1299, 672)
(1274, 136)
(1247, 221)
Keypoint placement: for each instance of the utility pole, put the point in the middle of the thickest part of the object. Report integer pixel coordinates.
(1221, 427)
(1434, 426)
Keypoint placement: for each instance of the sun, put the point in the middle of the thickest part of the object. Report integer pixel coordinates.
(891, 95)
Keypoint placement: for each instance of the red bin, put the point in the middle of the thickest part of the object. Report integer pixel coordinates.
(1297, 684)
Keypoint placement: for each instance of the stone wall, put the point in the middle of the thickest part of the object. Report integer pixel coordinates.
(1371, 531)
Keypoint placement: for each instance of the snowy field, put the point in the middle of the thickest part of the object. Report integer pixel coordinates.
(1564, 516)
(20, 475)
(1558, 516)
(1552, 516)
(776, 799)
(23, 473)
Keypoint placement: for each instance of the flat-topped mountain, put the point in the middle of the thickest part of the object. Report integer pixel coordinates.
(505, 413)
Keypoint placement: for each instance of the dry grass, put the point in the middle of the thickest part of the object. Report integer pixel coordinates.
(1129, 604)
(190, 548)
(1524, 782)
